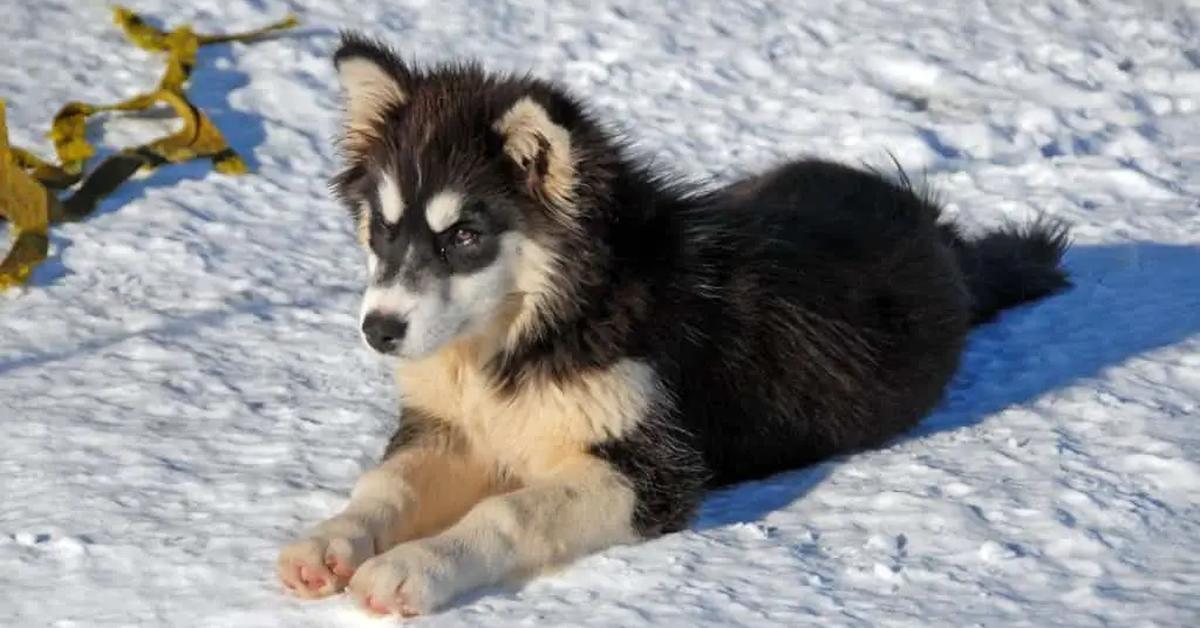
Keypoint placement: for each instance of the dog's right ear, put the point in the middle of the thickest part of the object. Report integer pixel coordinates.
(374, 79)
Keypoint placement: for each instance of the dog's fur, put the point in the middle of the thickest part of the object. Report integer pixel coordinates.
(585, 346)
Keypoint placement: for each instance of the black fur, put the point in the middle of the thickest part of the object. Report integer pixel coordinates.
(1016, 264)
(665, 470)
(806, 312)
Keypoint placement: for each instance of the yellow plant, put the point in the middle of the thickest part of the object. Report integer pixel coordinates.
(26, 180)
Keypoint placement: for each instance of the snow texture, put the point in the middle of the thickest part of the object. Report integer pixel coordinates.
(182, 389)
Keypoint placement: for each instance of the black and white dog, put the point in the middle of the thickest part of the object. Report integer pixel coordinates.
(584, 346)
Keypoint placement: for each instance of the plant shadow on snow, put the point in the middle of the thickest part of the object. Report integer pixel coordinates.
(213, 80)
(1127, 299)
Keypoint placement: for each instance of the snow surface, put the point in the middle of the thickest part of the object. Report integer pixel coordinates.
(182, 390)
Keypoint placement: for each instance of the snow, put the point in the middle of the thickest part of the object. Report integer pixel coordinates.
(182, 390)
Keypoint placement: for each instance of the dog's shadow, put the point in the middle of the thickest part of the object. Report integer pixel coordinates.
(1127, 300)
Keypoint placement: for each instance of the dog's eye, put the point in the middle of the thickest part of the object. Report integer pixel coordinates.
(457, 242)
(463, 237)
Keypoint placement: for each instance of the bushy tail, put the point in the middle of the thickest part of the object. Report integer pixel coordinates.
(1012, 265)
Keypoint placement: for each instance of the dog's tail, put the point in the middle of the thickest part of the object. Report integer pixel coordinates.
(1012, 265)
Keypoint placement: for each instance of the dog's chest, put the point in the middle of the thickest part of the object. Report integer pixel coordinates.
(541, 423)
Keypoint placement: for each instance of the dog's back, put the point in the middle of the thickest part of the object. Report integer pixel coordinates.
(819, 309)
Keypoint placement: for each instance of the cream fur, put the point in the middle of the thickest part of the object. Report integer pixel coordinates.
(368, 91)
(534, 282)
(404, 498)
(523, 126)
(583, 507)
(391, 203)
(362, 226)
(534, 429)
(519, 493)
(443, 210)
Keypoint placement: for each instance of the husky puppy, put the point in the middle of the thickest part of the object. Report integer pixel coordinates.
(583, 346)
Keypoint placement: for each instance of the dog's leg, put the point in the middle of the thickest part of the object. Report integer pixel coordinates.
(584, 506)
(426, 482)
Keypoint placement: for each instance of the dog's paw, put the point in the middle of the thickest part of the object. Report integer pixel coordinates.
(322, 564)
(408, 580)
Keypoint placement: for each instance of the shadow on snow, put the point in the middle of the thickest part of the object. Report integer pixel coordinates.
(1128, 299)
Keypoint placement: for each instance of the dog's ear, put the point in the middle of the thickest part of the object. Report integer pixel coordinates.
(374, 79)
(541, 151)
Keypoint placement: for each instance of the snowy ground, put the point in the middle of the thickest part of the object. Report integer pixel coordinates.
(182, 389)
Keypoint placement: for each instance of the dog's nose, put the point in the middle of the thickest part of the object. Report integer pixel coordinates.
(383, 332)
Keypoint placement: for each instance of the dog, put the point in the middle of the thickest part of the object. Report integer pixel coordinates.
(584, 345)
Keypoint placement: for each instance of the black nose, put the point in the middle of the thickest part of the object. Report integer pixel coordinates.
(383, 332)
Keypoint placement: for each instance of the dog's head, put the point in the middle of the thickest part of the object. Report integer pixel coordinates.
(465, 189)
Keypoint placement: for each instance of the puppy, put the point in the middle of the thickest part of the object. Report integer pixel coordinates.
(585, 345)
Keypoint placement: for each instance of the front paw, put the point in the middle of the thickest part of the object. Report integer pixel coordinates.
(408, 580)
(322, 564)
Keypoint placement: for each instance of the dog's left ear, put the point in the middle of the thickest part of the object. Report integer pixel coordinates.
(374, 79)
(541, 150)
